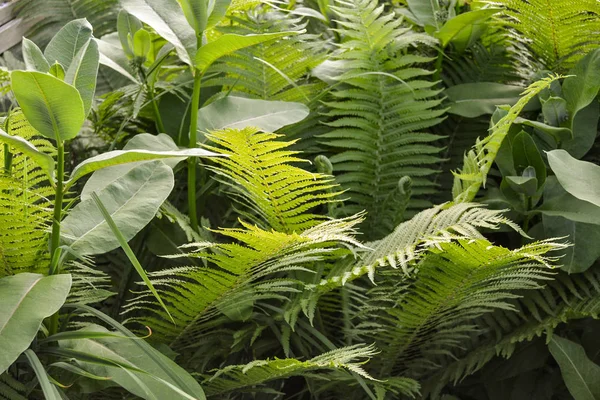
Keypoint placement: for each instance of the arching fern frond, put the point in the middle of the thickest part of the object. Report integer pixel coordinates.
(254, 374)
(11, 389)
(404, 247)
(558, 32)
(274, 193)
(565, 298)
(479, 160)
(380, 114)
(25, 207)
(238, 274)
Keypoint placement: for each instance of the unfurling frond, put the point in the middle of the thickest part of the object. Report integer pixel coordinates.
(558, 32)
(379, 116)
(479, 160)
(258, 169)
(258, 372)
(25, 207)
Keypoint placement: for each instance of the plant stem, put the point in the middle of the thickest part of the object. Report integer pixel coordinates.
(192, 144)
(438, 66)
(58, 203)
(7, 159)
(159, 122)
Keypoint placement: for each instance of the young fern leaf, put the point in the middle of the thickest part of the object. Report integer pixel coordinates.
(252, 375)
(559, 32)
(379, 115)
(479, 160)
(274, 193)
(25, 208)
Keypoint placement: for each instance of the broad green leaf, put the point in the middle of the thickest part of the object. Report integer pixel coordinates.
(585, 129)
(126, 351)
(457, 24)
(229, 43)
(425, 11)
(83, 73)
(526, 185)
(164, 366)
(127, 26)
(43, 160)
(57, 71)
(558, 133)
(559, 203)
(53, 107)
(328, 71)
(141, 43)
(583, 237)
(118, 157)
(132, 202)
(167, 19)
(33, 57)
(580, 374)
(525, 154)
(555, 111)
(113, 57)
(238, 113)
(196, 13)
(475, 99)
(65, 45)
(26, 300)
(579, 178)
(144, 141)
(580, 89)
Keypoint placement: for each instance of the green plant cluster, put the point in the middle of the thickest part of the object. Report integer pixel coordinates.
(304, 199)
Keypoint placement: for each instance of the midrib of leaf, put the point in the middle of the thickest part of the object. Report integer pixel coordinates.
(51, 113)
(583, 382)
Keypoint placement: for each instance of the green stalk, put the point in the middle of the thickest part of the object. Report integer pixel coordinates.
(55, 240)
(192, 144)
(7, 159)
(159, 122)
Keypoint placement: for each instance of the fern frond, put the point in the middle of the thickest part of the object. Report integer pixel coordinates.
(380, 114)
(403, 248)
(479, 160)
(48, 16)
(565, 298)
(274, 193)
(11, 389)
(558, 32)
(258, 372)
(456, 284)
(25, 207)
(89, 286)
(275, 70)
(239, 273)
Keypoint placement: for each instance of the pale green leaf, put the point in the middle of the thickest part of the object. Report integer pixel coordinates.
(26, 300)
(456, 25)
(579, 178)
(33, 57)
(42, 98)
(65, 45)
(581, 375)
(196, 13)
(83, 73)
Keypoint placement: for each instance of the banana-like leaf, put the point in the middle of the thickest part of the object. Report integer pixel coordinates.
(51, 106)
(26, 300)
(65, 45)
(119, 157)
(229, 43)
(83, 73)
(33, 57)
(132, 201)
(167, 19)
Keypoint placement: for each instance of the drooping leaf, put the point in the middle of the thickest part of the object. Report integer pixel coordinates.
(167, 19)
(43, 160)
(51, 106)
(118, 157)
(144, 141)
(229, 43)
(126, 351)
(581, 375)
(579, 178)
(26, 300)
(239, 113)
(132, 201)
(475, 99)
(50, 391)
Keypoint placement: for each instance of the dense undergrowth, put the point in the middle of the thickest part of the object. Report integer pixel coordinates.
(314, 199)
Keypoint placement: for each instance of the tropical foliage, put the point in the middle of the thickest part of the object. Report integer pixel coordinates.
(331, 199)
